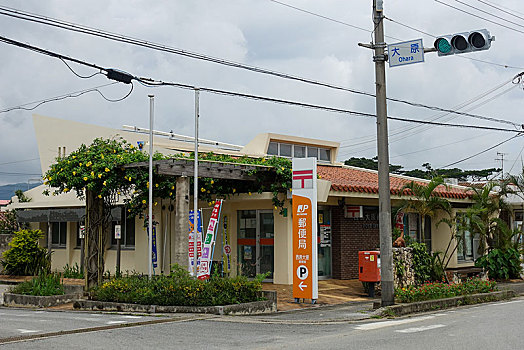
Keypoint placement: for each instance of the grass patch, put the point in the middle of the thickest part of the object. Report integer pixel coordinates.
(440, 290)
(43, 285)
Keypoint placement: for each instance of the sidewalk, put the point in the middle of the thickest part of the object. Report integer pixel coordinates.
(330, 292)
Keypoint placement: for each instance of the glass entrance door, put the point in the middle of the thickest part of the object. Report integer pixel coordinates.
(256, 242)
(324, 243)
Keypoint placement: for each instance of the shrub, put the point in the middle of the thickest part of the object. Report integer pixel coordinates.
(43, 285)
(25, 257)
(179, 289)
(501, 264)
(438, 290)
(422, 263)
(72, 271)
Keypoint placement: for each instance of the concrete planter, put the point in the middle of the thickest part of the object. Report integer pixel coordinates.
(11, 299)
(256, 307)
(437, 304)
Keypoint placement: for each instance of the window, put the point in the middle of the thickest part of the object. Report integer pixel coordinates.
(272, 149)
(247, 224)
(285, 149)
(127, 231)
(298, 151)
(312, 152)
(464, 239)
(58, 234)
(412, 228)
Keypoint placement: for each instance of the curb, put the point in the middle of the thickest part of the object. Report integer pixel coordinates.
(439, 304)
(11, 299)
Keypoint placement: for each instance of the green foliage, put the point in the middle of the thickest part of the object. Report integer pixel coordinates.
(501, 264)
(72, 271)
(396, 232)
(440, 290)
(428, 172)
(99, 167)
(8, 222)
(24, 256)
(180, 289)
(43, 285)
(422, 263)
(22, 198)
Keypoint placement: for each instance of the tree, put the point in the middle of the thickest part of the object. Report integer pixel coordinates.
(424, 201)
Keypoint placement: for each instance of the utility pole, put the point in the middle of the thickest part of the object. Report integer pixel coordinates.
(386, 254)
(150, 198)
(195, 185)
(501, 155)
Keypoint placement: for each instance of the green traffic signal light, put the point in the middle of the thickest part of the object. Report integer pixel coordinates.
(442, 45)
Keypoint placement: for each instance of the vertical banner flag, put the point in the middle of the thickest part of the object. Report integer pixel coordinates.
(226, 248)
(204, 271)
(154, 258)
(191, 245)
(305, 264)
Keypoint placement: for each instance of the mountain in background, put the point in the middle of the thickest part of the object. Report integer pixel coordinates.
(8, 191)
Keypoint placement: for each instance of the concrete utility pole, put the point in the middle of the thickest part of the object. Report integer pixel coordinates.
(386, 256)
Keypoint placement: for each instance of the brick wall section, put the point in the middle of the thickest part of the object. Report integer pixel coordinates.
(349, 236)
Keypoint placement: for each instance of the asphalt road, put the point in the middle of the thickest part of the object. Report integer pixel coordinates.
(487, 326)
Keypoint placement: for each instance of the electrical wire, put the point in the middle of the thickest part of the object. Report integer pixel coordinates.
(78, 75)
(313, 106)
(328, 18)
(159, 47)
(118, 99)
(20, 161)
(503, 9)
(489, 13)
(481, 152)
(13, 174)
(56, 98)
(516, 159)
(480, 17)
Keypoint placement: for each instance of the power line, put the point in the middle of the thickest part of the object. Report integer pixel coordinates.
(13, 174)
(480, 17)
(481, 152)
(112, 73)
(20, 161)
(56, 98)
(159, 47)
(489, 13)
(503, 9)
(328, 18)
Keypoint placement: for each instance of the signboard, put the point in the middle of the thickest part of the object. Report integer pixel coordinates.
(407, 52)
(305, 264)
(118, 231)
(325, 236)
(226, 248)
(82, 232)
(204, 272)
(154, 256)
(191, 247)
(354, 211)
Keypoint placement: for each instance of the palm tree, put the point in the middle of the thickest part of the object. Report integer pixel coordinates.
(483, 215)
(424, 200)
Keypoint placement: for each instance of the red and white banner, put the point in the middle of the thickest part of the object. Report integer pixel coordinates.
(305, 263)
(209, 242)
(191, 246)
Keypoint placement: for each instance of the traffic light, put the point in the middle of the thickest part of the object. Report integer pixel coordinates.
(476, 40)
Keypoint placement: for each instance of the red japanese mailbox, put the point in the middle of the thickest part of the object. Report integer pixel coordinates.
(369, 266)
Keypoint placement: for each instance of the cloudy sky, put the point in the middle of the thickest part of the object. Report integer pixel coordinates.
(267, 34)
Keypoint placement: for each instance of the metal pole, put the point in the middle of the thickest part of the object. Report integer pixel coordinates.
(150, 220)
(195, 183)
(386, 256)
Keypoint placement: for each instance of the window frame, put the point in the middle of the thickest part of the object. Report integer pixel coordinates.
(62, 233)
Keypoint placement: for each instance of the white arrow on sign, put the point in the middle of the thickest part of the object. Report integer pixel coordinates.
(302, 285)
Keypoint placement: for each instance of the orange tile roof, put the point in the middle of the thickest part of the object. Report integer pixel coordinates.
(351, 179)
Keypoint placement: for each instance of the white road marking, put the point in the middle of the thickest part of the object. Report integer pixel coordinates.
(383, 324)
(23, 331)
(115, 322)
(420, 329)
(133, 317)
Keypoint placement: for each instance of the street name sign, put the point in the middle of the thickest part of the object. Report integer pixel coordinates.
(407, 52)
(305, 265)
